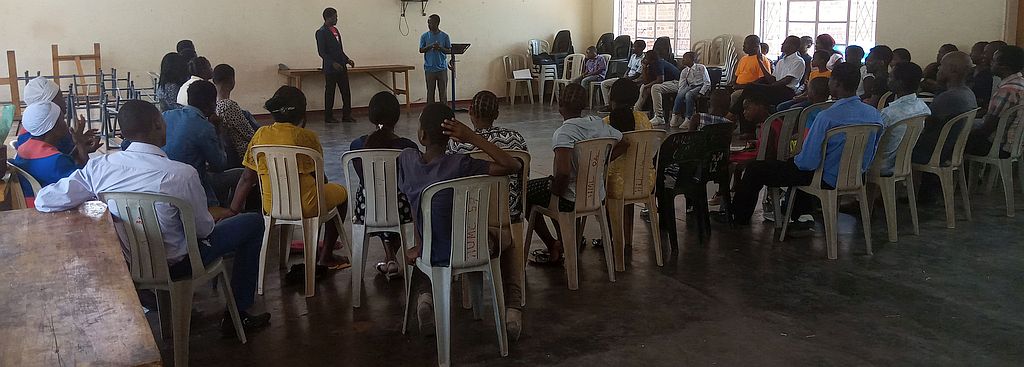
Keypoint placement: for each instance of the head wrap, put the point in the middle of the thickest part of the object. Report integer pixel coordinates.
(39, 118)
(39, 90)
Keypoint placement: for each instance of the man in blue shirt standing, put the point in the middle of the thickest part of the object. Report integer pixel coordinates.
(848, 110)
(435, 45)
(193, 138)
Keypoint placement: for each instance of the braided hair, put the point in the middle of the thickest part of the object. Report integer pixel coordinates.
(623, 96)
(431, 118)
(573, 98)
(287, 105)
(485, 106)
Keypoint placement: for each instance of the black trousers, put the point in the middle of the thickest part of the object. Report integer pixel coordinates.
(759, 174)
(332, 81)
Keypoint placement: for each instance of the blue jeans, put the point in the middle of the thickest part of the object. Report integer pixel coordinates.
(687, 97)
(242, 235)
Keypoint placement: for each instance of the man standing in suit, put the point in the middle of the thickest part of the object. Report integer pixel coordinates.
(336, 64)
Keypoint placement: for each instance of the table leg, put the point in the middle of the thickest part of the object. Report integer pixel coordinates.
(541, 79)
(408, 101)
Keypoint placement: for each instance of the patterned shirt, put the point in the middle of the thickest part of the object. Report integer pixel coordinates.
(595, 66)
(167, 96)
(1009, 94)
(707, 119)
(235, 128)
(505, 139)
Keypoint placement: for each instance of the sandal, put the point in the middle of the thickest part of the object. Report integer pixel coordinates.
(388, 269)
(542, 257)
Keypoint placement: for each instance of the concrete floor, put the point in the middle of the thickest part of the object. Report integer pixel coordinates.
(945, 298)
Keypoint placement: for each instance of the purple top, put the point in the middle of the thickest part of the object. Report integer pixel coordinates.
(595, 66)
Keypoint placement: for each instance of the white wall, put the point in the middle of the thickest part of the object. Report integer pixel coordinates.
(254, 36)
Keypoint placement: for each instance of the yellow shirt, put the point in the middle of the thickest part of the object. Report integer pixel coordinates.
(615, 182)
(748, 70)
(820, 74)
(283, 133)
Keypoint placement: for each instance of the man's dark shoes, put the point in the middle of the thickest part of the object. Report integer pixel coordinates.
(348, 119)
(330, 120)
(250, 323)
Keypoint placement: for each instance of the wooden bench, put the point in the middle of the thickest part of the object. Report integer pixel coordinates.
(67, 297)
(295, 76)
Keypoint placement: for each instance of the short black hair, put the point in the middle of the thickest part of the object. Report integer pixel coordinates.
(1012, 57)
(223, 72)
(854, 48)
(641, 43)
(431, 118)
(330, 12)
(909, 75)
(822, 54)
(384, 109)
(847, 75)
(882, 52)
(435, 16)
(201, 93)
(574, 97)
(592, 48)
(287, 105)
(950, 47)
(902, 53)
(185, 45)
(137, 118)
(173, 69)
(198, 64)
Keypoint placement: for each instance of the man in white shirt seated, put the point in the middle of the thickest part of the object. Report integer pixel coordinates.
(694, 81)
(635, 66)
(201, 69)
(786, 75)
(144, 168)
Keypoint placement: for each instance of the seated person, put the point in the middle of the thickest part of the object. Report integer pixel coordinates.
(931, 83)
(848, 110)
(288, 108)
(562, 183)
(904, 83)
(819, 69)
(144, 168)
(39, 156)
(825, 42)
(718, 115)
(984, 79)
(765, 49)
(899, 56)
(955, 99)
(235, 128)
(623, 119)
(876, 83)
(384, 112)
(173, 73)
(855, 54)
(594, 68)
(193, 139)
(1007, 64)
(418, 170)
(635, 72)
(749, 69)
(39, 90)
(657, 73)
(201, 69)
(786, 76)
(694, 81)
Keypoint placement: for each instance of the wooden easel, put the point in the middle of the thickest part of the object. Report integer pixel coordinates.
(81, 85)
(12, 81)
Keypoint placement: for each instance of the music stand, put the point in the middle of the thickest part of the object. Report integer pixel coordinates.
(457, 49)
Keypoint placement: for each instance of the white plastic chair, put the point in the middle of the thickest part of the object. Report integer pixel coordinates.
(953, 169)
(596, 86)
(518, 229)
(700, 48)
(148, 263)
(782, 151)
(286, 207)
(380, 188)
(1003, 166)
(640, 163)
(470, 254)
(511, 64)
(573, 68)
(884, 101)
(13, 179)
(849, 181)
(592, 166)
(900, 173)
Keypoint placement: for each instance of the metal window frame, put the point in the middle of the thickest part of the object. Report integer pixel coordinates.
(675, 20)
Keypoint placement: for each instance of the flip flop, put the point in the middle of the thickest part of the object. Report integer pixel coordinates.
(341, 266)
(542, 257)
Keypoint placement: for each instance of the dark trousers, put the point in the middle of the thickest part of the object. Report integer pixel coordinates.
(243, 236)
(759, 174)
(332, 81)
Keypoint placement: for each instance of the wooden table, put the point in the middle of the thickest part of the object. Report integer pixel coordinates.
(295, 76)
(66, 296)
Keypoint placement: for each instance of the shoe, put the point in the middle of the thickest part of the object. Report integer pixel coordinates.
(250, 323)
(645, 214)
(330, 120)
(513, 323)
(348, 119)
(657, 121)
(802, 226)
(715, 201)
(388, 269)
(425, 313)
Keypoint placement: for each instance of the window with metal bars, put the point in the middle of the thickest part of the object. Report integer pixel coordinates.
(649, 19)
(849, 22)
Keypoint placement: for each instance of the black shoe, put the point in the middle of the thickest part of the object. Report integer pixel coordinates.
(330, 120)
(250, 323)
(348, 119)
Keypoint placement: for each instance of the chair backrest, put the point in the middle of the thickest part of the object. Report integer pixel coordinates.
(912, 128)
(376, 171)
(789, 118)
(471, 196)
(852, 157)
(573, 66)
(730, 68)
(537, 47)
(147, 257)
(15, 176)
(640, 162)
(884, 101)
(282, 163)
(700, 48)
(562, 43)
(11, 80)
(804, 122)
(82, 85)
(965, 121)
(523, 176)
(512, 63)
(717, 149)
(607, 58)
(606, 44)
(592, 158)
(623, 47)
(1002, 130)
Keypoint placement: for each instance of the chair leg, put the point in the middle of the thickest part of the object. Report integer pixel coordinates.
(912, 196)
(529, 89)
(441, 285)
(570, 244)
(358, 261)
(407, 274)
(965, 194)
(474, 283)
(889, 200)
(512, 94)
(310, 239)
(652, 207)
(498, 295)
(519, 258)
(181, 318)
(991, 171)
(1006, 173)
(268, 226)
(163, 300)
(865, 217)
(284, 239)
(948, 188)
(606, 236)
(667, 219)
(828, 209)
(615, 213)
(229, 300)
(789, 212)
(776, 194)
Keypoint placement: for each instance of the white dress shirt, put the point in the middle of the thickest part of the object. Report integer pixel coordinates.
(183, 91)
(693, 76)
(635, 65)
(141, 168)
(792, 65)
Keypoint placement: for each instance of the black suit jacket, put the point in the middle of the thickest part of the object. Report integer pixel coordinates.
(330, 49)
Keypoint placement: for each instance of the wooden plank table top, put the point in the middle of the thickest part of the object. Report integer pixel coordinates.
(66, 296)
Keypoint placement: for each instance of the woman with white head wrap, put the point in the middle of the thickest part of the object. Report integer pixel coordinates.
(41, 91)
(39, 156)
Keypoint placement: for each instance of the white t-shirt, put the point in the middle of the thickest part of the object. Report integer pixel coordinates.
(576, 130)
(183, 92)
(792, 65)
(863, 74)
(833, 60)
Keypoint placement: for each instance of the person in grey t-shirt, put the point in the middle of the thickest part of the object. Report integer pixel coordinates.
(957, 99)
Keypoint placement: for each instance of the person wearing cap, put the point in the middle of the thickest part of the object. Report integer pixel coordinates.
(41, 90)
(39, 156)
